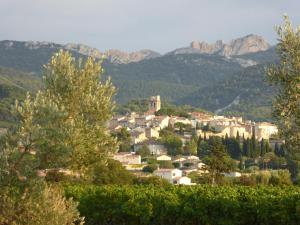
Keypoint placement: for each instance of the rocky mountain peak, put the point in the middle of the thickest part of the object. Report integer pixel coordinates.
(120, 57)
(84, 49)
(248, 44)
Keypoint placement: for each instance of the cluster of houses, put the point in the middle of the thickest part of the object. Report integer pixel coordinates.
(144, 131)
(133, 162)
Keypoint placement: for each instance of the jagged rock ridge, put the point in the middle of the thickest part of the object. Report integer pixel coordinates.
(240, 46)
(114, 56)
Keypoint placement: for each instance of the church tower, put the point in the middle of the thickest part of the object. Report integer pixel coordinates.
(154, 103)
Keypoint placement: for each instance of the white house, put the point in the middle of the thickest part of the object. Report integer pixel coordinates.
(152, 132)
(127, 158)
(174, 176)
(182, 180)
(265, 130)
(233, 174)
(138, 135)
(168, 174)
(163, 158)
(155, 147)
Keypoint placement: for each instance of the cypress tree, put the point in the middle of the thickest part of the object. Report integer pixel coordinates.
(282, 150)
(277, 150)
(244, 148)
(199, 142)
(226, 140)
(253, 147)
(268, 148)
(205, 139)
(262, 147)
(247, 148)
(238, 136)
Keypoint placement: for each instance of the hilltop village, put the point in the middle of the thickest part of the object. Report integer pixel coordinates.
(172, 146)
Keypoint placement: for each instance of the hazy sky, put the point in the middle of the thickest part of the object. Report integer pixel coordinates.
(129, 25)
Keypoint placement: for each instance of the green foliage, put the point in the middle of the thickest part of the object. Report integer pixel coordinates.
(190, 148)
(286, 75)
(124, 139)
(218, 160)
(63, 126)
(150, 168)
(138, 106)
(187, 205)
(207, 81)
(173, 143)
(165, 164)
(39, 204)
(233, 148)
(13, 85)
(169, 109)
(152, 180)
(144, 151)
(112, 172)
(280, 177)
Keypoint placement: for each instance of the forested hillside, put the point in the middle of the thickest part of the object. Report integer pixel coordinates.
(14, 85)
(228, 85)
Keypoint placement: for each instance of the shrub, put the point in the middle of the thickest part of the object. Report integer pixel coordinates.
(165, 164)
(40, 206)
(150, 168)
(280, 177)
(203, 204)
(152, 180)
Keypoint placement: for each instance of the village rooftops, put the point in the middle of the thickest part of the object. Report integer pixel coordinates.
(166, 170)
(150, 142)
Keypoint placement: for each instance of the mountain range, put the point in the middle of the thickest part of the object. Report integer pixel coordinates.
(227, 78)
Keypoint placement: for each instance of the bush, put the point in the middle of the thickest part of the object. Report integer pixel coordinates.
(165, 164)
(112, 173)
(41, 205)
(280, 177)
(247, 180)
(203, 204)
(152, 180)
(176, 165)
(150, 168)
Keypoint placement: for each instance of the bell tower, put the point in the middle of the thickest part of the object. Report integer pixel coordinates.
(154, 103)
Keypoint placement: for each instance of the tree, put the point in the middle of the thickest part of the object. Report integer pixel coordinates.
(277, 149)
(262, 147)
(199, 142)
(242, 164)
(280, 177)
(86, 103)
(203, 150)
(144, 151)
(42, 204)
(286, 76)
(124, 139)
(238, 136)
(246, 148)
(191, 147)
(150, 168)
(112, 172)
(267, 146)
(165, 164)
(173, 144)
(253, 145)
(218, 162)
(233, 148)
(63, 126)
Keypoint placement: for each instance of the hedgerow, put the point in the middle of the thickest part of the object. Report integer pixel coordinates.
(138, 205)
